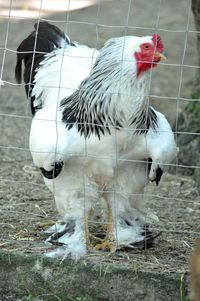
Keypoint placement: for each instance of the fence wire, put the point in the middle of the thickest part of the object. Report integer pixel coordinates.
(26, 205)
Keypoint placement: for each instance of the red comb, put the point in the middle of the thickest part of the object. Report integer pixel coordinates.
(157, 40)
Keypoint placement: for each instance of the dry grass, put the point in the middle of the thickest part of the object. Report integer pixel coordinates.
(27, 210)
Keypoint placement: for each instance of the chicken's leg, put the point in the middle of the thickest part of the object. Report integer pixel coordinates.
(87, 233)
(108, 242)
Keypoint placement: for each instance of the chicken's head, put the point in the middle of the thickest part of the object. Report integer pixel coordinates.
(150, 54)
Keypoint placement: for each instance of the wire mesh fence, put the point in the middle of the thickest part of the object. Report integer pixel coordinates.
(27, 206)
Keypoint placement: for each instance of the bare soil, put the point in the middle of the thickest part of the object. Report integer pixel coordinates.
(25, 202)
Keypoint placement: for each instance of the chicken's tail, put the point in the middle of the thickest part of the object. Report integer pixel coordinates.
(44, 39)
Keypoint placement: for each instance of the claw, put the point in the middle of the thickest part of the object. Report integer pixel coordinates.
(108, 242)
(106, 245)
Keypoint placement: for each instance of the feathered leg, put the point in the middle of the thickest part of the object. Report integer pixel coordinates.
(133, 232)
(74, 203)
(127, 222)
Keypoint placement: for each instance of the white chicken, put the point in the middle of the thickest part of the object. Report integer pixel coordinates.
(94, 133)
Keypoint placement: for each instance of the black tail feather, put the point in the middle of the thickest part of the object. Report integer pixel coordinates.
(44, 39)
(18, 71)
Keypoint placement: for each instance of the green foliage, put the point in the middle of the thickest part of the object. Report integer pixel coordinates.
(194, 106)
(76, 299)
(55, 297)
(182, 291)
(193, 110)
(29, 297)
(196, 94)
(189, 120)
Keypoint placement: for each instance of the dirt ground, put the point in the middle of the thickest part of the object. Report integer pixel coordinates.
(25, 202)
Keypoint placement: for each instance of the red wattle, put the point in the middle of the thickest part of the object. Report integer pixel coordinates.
(144, 65)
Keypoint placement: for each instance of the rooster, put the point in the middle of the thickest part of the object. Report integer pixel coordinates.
(94, 134)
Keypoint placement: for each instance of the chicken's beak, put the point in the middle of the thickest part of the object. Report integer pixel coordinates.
(161, 55)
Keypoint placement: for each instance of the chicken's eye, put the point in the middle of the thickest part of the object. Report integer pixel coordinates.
(146, 46)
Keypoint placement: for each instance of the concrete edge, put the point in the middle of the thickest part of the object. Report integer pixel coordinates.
(51, 279)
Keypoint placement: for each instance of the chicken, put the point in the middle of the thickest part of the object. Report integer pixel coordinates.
(94, 134)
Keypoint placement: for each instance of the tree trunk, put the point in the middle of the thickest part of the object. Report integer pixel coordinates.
(189, 119)
(196, 12)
